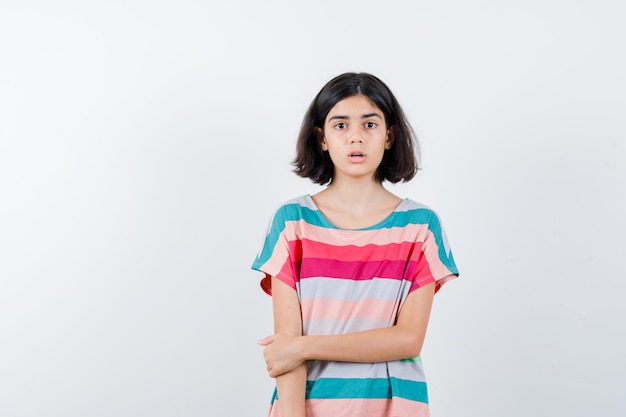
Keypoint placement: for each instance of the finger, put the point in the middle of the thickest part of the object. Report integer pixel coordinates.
(265, 341)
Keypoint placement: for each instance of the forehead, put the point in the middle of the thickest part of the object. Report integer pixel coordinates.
(354, 106)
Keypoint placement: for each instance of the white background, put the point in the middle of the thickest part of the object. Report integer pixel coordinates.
(144, 146)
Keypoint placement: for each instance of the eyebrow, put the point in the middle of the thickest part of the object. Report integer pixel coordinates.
(365, 116)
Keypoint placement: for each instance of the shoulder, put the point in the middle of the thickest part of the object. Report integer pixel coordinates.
(295, 209)
(416, 212)
(298, 203)
(426, 217)
(410, 204)
(294, 206)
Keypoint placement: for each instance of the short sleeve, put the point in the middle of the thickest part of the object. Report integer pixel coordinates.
(435, 262)
(274, 259)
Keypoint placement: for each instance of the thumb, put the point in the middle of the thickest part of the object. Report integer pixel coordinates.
(265, 341)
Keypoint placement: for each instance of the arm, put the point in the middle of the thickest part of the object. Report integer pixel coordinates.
(291, 384)
(403, 340)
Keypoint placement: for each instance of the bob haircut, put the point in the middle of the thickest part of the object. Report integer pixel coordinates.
(400, 163)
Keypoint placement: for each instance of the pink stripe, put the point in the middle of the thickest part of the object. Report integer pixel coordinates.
(367, 308)
(443, 280)
(366, 407)
(278, 260)
(330, 268)
(275, 264)
(300, 229)
(392, 251)
(407, 408)
(431, 252)
(396, 407)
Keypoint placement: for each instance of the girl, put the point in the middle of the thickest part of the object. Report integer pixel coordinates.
(352, 270)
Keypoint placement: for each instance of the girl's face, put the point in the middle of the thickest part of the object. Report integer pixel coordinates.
(356, 136)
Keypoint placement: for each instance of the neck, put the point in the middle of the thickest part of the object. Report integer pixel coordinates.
(356, 193)
(355, 204)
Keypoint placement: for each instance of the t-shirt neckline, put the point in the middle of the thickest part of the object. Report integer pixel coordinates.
(331, 225)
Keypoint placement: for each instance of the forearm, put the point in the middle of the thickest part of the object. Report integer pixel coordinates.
(401, 341)
(291, 388)
(377, 345)
(291, 383)
(288, 348)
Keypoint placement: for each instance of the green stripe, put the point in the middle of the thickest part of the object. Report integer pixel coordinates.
(418, 359)
(367, 388)
(374, 388)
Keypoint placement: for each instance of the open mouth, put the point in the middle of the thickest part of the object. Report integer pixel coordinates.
(356, 157)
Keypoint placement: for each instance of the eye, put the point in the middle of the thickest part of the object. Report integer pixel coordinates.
(370, 125)
(340, 125)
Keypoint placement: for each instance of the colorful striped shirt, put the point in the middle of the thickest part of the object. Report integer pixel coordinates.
(350, 280)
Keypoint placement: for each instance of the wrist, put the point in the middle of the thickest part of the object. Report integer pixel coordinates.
(302, 348)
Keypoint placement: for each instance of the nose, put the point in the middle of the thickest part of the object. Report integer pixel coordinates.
(356, 136)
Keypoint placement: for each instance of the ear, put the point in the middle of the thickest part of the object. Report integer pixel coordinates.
(320, 138)
(391, 136)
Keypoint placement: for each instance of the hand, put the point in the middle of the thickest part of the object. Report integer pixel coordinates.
(282, 353)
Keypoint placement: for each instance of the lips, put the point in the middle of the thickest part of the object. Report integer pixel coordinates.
(356, 156)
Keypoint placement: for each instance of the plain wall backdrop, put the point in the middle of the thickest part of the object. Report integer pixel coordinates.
(145, 145)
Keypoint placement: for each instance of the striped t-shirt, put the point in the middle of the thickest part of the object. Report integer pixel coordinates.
(349, 280)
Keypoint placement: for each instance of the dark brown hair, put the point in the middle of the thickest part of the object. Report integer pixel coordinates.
(400, 163)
